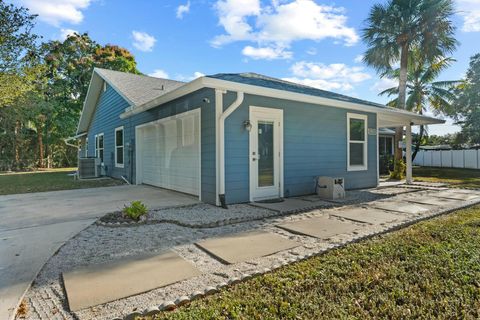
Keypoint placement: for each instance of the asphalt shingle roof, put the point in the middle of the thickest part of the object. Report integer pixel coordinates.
(256, 79)
(139, 89)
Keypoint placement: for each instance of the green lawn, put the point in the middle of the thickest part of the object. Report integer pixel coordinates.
(459, 178)
(57, 179)
(426, 271)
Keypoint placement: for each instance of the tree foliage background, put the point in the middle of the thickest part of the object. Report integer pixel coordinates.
(42, 89)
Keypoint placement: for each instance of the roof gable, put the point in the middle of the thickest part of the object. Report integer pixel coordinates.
(135, 89)
(138, 89)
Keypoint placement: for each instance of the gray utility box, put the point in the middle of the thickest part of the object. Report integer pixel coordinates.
(89, 168)
(330, 188)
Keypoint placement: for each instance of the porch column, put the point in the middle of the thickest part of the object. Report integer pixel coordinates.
(408, 152)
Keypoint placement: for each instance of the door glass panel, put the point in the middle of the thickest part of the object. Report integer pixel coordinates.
(265, 153)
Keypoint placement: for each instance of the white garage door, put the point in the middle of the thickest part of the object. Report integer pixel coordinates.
(168, 153)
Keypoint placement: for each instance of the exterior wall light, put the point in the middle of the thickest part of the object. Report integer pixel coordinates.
(247, 125)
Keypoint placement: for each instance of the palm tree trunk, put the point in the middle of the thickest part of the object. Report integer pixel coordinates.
(402, 93)
(419, 142)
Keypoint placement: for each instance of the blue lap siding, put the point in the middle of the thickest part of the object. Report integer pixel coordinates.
(107, 117)
(315, 144)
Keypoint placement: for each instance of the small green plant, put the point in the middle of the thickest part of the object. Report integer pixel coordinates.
(135, 210)
(398, 172)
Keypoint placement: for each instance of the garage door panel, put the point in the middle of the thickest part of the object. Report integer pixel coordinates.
(171, 153)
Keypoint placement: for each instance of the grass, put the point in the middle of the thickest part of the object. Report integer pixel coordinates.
(51, 180)
(458, 178)
(426, 271)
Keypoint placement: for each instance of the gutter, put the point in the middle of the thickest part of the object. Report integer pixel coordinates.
(221, 116)
(206, 82)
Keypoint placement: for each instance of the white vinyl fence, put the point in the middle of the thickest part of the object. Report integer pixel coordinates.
(448, 158)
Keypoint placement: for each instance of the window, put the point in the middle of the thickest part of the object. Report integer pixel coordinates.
(99, 146)
(357, 142)
(86, 148)
(119, 147)
(385, 146)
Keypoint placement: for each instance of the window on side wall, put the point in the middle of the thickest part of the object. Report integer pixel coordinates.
(357, 142)
(99, 146)
(119, 147)
(86, 148)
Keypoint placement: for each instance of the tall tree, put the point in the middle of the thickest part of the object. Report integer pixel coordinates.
(467, 104)
(423, 92)
(396, 27)
(69, 68)
(17, 42)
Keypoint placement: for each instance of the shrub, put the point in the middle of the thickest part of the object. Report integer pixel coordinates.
(398, 172)
(135, 210)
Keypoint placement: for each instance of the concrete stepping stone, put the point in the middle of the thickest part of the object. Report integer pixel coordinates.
(245, 246)
(434, 201)
(451, 194)
(368, 215)
(400, 206)
(319, 227)
(108, 282)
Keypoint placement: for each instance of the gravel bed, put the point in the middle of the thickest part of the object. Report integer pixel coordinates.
(99, 244)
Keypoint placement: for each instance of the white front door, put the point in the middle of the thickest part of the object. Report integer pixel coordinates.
(266, 153)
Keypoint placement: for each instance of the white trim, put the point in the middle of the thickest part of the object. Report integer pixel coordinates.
(408, 153)
(218, 112)
(86, 148)
(97, 146)
(238, 101)
(119, 165)
(139, 146)
(278, 114)
(206, 82)
(365, 142)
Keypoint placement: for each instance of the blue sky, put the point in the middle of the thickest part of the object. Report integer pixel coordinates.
(314, 42)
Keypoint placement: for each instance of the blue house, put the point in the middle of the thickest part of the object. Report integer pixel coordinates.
(233, 138)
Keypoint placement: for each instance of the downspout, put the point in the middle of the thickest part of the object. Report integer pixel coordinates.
(221, 116)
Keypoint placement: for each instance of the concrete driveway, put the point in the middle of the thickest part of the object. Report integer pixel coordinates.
(33, 226)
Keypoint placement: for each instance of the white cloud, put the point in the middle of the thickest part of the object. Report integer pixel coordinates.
(159, 73)
(196, 74)
(183, 9)
(143, 41)
(335, 76)
(469, 10)
(359, 58)
(266, 53)
(55, 12)
(64, 33)
(282, 23)
(384, 84)
(312, 51)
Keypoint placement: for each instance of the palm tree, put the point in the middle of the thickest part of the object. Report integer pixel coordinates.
(423, 93)
(396, 27)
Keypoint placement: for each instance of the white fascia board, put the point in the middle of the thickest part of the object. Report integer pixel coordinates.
(169, 96)
(207, 82)
(91, 99)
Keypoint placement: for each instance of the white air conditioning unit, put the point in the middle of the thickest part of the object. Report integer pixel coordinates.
(89, 168)
(330, 188)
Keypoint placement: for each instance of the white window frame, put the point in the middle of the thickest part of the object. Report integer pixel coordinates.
(365, 142)
(85, 152)
(97, 147)
(119, 165)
